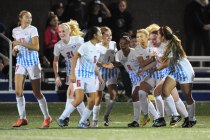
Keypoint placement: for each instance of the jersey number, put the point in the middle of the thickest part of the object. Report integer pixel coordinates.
(94, 59)
(70, 54)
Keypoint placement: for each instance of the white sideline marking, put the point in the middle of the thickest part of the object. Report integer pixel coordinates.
(35, 137)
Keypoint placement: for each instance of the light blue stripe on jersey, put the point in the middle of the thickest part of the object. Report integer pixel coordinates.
(179, 74)
(158, 75)
(86, 70)
(68, 67)
(27, 57)
(108, 73)
(135, 79)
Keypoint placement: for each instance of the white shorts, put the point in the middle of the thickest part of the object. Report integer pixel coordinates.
(150, 81)
(34, 72)
(87, 84)
(100, 87)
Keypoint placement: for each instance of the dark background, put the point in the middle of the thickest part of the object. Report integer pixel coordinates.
(145, 12)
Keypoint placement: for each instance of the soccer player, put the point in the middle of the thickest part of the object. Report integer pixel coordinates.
(148, 83)
(67, 46)
(157, 48)
(109, 75)
(83, 75)
(130, 60)
(181, 71)
(25, 48)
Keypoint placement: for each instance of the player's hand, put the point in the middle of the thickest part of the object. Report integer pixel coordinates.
(152, 70)
(15, 43)
(73, 78)
(139, 72)
(109, 66)
(58, 81)
(101, 80)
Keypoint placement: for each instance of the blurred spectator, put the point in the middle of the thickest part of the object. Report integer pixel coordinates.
(4, 50)
(98, 14)
(133, 41)
(121, 20)
(59, 9)
(51, 36)
(197, 27)
(4, 46)
(76, 10)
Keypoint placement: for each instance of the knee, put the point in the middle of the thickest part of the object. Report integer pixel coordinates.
(19, 93)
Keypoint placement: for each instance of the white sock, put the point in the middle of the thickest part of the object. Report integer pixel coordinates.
(181, 108)
(85, 115)
(109, 107)
(68, 101)
(43, 106)
(81, 108)
(96, 110)
(68, 110)
(159, 105)
(21, 107)
(167, 110)
(136, 111)
(153, 111)
(191, 111)
(143, 101)
(171, 105)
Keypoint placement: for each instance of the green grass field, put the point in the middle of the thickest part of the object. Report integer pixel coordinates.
(118, 130)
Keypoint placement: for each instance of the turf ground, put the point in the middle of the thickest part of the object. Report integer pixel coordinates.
(118, 130)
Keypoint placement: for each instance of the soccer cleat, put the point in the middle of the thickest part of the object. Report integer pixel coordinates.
(133, 124)
(186, 123)
(46, 122)
(82, 125)
(95, 123)
(145, 120)
(20, 122)
(106, 120)
(88, 122)
(62, 123)
(159, 122)
(66, 120)
(174, 120)
(192, 123)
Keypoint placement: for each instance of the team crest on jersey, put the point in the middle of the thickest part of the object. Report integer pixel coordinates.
(74, 46)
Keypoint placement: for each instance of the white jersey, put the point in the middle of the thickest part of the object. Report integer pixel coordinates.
(25, 56)
(107, 56)
(131, 65)
(182, 71)
(142, 52)
(68, 50)
(159, 75)
(87, 62)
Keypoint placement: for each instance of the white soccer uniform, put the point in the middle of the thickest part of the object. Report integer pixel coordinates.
(158, 75)
(84, 71)
(67, 51)
(182, 72)
(107, 56)
(27, 60)
(145, 54)
(131, 65)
